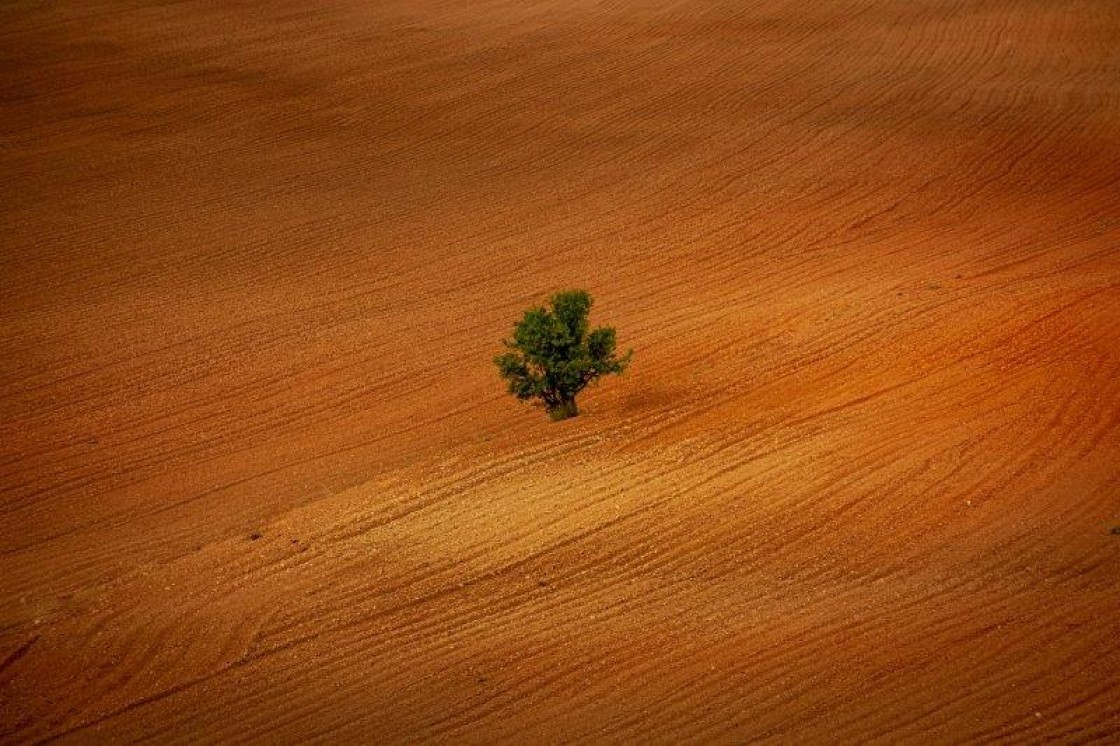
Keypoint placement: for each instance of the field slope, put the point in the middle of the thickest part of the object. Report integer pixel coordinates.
(259, 480)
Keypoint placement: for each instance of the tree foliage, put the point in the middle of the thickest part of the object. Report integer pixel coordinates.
(553, 356)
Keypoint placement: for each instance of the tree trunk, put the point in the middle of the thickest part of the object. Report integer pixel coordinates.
(565, 409)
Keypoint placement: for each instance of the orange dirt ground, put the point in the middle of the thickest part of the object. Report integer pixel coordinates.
(859, 483)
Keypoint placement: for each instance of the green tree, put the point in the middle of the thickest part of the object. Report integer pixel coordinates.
(552, 355)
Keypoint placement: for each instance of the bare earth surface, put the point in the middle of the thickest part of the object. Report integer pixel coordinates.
(859, 484)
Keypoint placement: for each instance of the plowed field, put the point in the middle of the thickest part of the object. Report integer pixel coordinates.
(259, 480)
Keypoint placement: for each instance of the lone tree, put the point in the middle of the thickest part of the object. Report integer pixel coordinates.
(552, 356)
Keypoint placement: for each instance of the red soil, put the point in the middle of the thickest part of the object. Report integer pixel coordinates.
(858, 484)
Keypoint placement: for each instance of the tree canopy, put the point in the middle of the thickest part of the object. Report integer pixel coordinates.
(552, 355)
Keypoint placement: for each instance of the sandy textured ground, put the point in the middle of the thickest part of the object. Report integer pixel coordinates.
(859, 484)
